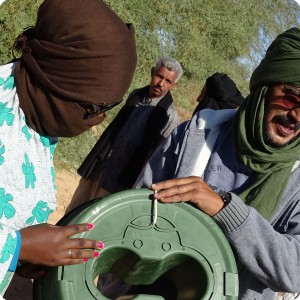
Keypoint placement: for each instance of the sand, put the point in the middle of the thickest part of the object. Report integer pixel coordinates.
(66, 183)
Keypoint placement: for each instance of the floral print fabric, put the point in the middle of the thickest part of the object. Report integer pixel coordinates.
(27, 187)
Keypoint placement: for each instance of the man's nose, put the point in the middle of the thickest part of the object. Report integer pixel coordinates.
(160, 82)
(295, 113)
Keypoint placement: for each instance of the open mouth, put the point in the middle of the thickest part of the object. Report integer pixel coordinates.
(286, 126)
(285, 130)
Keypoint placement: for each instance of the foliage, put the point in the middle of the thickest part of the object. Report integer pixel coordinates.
(71, 152)
(15, 16)
(206, 36)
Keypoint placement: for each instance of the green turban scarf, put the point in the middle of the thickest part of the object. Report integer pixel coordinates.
(271, 165)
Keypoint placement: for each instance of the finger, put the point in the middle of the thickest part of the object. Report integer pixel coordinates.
(78, 243)
(178, 190)
(83, 254)
(72, 256)
(178, 197)
(76, 261)
(175, 182)
(70, 230)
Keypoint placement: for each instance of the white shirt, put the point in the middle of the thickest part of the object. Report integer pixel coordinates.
(27, 188)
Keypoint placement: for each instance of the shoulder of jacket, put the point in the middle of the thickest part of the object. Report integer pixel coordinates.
(296, 165)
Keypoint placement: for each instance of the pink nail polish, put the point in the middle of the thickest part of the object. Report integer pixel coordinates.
(85, 260)
(91, 226)
(96, 254)
(101, 245)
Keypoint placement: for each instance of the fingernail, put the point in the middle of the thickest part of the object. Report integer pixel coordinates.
(91, 226)
(85, 260)
(101, 245)
(96, 254)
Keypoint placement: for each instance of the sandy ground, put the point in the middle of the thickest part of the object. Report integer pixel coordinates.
(66, 183)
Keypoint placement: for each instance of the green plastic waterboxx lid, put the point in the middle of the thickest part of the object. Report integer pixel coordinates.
(178, 242)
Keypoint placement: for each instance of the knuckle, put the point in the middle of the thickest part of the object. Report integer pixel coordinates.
(54, 262)
(93, 244)
(77, 253)
(81, 243)
(76, 227)
(59, 234)
(177, 180)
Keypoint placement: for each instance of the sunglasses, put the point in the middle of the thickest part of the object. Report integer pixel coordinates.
(291, 98)
(93, 110)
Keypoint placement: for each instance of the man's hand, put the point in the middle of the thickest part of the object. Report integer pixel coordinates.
(189, 189)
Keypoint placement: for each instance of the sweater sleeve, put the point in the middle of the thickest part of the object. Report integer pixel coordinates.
(270, 254)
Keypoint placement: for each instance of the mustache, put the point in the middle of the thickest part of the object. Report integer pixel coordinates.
(287, 121)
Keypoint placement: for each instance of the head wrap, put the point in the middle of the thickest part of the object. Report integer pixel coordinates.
(79, 52)
(221, 93)
(272, 166)
(281, 63)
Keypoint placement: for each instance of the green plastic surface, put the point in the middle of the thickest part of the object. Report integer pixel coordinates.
(184, 246)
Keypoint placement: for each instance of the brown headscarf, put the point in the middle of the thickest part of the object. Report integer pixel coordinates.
(80, 51)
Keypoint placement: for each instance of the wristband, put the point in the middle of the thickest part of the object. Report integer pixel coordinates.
(226, 199)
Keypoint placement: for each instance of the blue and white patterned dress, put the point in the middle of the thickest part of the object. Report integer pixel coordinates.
(27, 187)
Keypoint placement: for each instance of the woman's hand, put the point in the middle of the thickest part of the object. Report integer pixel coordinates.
(189, 189)
(49, 245)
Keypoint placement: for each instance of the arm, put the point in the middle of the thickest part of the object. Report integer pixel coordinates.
(270, 256)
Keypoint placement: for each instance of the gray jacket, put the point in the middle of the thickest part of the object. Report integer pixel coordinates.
(268, 252)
